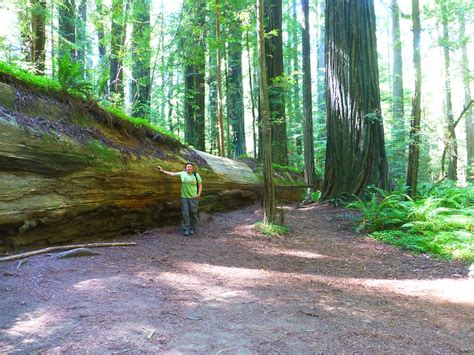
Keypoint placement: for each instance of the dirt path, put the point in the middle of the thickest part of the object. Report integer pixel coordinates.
(323, 288)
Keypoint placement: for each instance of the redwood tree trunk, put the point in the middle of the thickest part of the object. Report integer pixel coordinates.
(269, 203)
(38, 33)
(274, 67)
(307, 100)
(235, 93)
(414, 147)
(67, 28)
(195, 65)
(398, 114)
(116, 59)
(141, 53)
(355, 153)
(467, 97)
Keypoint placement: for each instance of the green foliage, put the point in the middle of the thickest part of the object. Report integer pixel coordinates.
(288, 168)
(315, 195)
(271, 229)
(71, 77)
(41, 82)
(440, 222)
(138, 122)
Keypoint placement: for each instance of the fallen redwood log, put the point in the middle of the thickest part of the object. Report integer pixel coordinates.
(70, 170)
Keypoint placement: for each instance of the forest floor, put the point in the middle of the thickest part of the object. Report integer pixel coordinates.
(323, 288)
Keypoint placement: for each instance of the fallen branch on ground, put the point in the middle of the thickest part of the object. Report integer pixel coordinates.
(64, 247)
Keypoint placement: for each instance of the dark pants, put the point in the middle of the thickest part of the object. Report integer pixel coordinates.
(189, 211)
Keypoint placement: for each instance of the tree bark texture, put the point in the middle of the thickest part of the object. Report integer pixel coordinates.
(220, 109)
(193, 45)
(467, 98)
(67, 28)
(414, 145)
(141, 54)
(81, 34)
(235, 94)
(269, 202)
(450, 135)
(275, 71)
(355, 153)
(398, 112)
(38, 34)
(71, 171)
(309, 173)
(117, 42)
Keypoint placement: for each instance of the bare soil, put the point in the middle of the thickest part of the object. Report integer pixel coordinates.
(323, 288)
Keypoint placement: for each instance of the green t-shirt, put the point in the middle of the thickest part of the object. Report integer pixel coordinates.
(188, 184)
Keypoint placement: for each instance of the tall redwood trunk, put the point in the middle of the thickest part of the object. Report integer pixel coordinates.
(274, 67)
(269, 202)
(414, 147)
(38, 34)
(307, 100)
(355, 153)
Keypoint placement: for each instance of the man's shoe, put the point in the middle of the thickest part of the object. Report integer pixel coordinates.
(191, 232)
(186, 233)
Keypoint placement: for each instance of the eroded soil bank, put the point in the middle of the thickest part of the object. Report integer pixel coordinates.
(227, 290)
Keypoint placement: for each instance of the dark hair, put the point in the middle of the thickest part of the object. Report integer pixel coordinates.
(188, 163)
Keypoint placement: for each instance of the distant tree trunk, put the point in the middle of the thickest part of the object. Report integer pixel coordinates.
(274, 66)
(467, 98)
(321, 75)
(398, 114)
(38, 34)
(212, 98)
(67, 28)
(414, 146)
(141, 54)
(452, 150)
(118, 34)
(235, 100)
(24, 24)
(101, 42)
(355, 153)
(307, 101)
(82, 40)
(220, 121)
(100, 29)
(297, 118)
(252, 99)
(269, 202)
(195, 65)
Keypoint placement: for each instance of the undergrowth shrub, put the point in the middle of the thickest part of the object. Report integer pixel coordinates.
(271, 229)
(439, 222)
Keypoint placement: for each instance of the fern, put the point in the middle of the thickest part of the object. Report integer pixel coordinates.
(71, 77)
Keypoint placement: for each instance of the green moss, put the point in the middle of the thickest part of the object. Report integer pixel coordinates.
(38, 81)
(49, 85)
(138, 122)
(101, 152)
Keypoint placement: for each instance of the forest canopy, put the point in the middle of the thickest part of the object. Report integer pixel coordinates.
(192, 68)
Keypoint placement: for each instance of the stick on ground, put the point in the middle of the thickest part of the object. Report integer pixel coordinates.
(64, 247)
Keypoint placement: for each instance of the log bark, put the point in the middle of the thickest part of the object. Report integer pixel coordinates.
(72, 171)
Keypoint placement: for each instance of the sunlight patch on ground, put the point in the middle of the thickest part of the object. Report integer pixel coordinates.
(96, 284)
(39, 323)
(448, 290)
(290, 252)
(438, 290)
